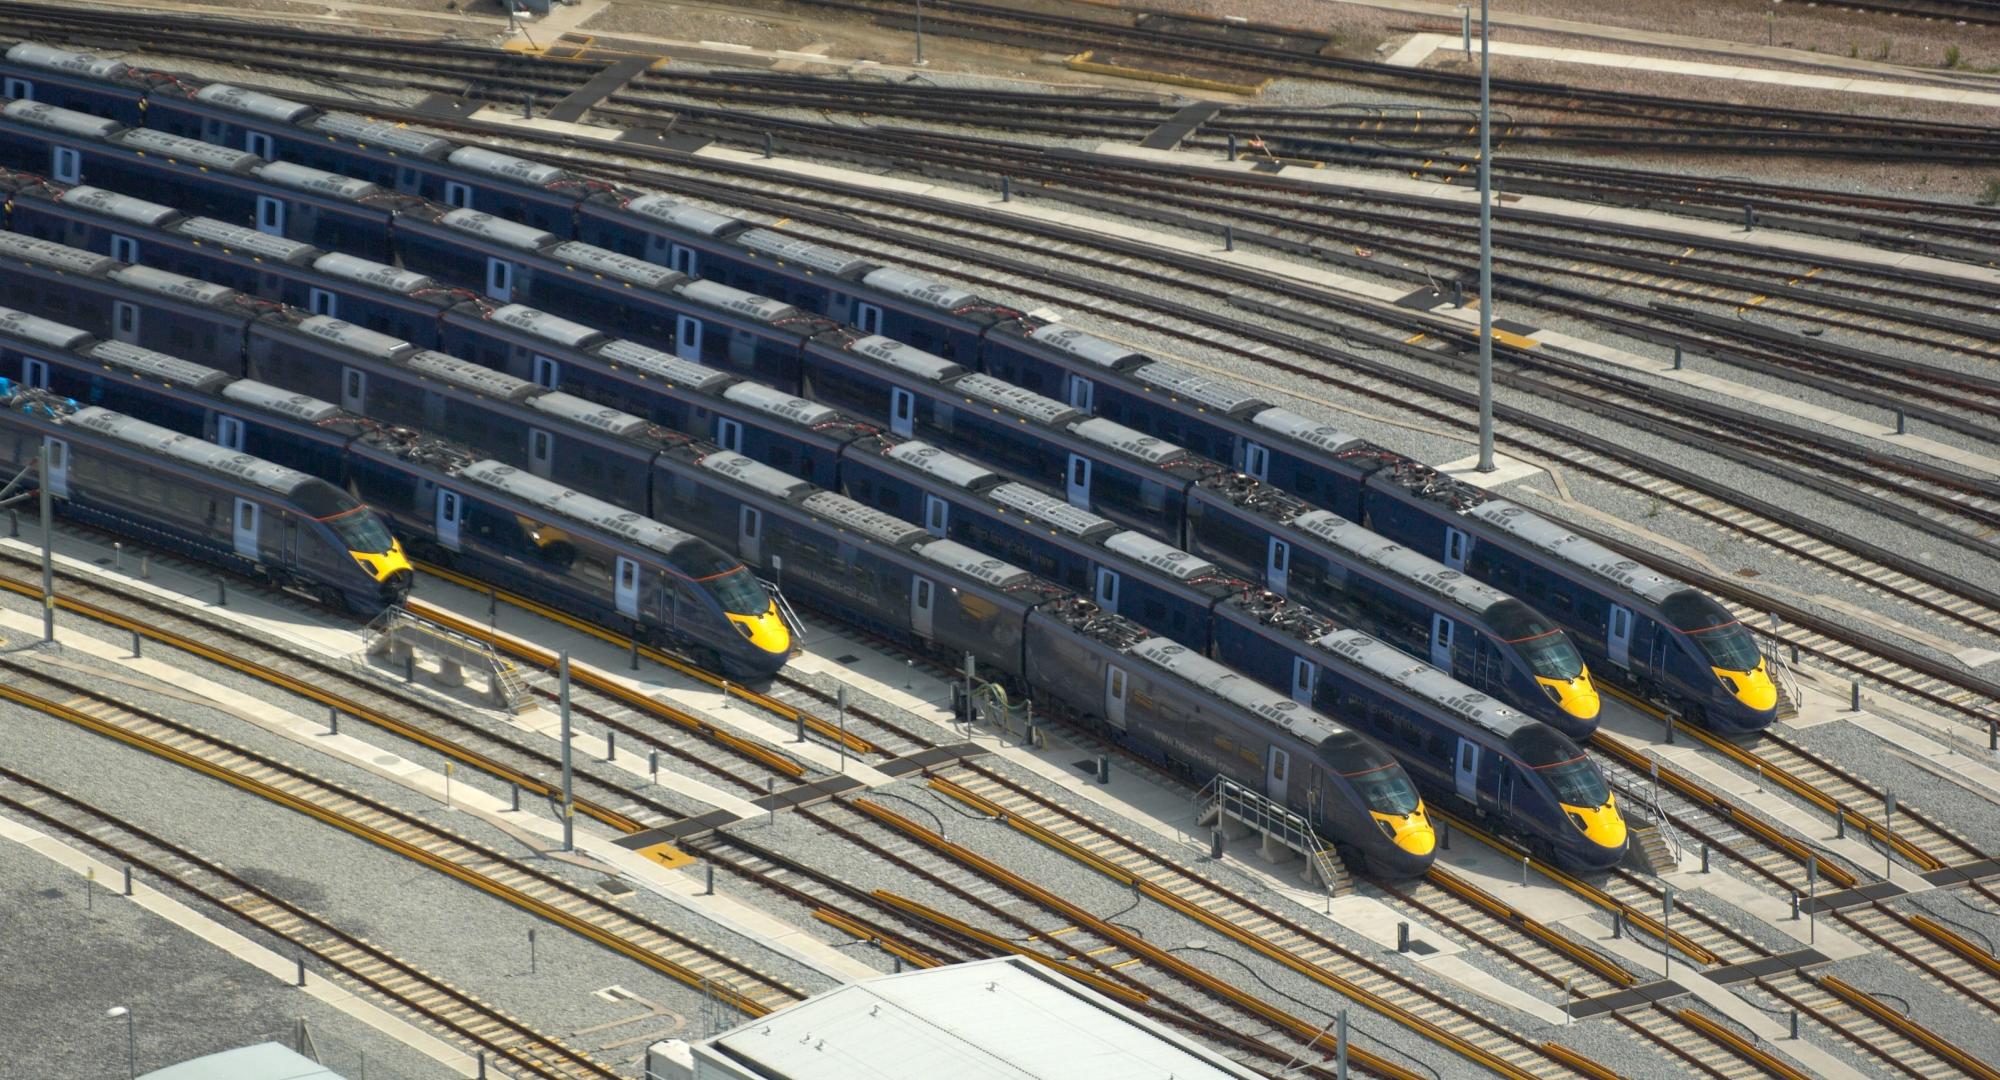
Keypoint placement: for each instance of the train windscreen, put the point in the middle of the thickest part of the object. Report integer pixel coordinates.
(1548, 651)
(1721, 638)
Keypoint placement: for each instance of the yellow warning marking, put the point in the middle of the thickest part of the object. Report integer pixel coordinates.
(1128, 963)
(667, 855)
(1414, 338)
(1755, 300)
(781, 223)
(1516, 340)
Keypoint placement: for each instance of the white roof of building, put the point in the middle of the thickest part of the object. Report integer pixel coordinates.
(1002, 1019)
(264, 1061)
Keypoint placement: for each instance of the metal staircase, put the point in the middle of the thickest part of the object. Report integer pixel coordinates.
(1651, 850)
(398, 637)
(1224, 800)
(785, 612)
(1781, 677)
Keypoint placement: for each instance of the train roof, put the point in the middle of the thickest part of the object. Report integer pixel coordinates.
(747, 304)
(633, 527)
(179, 286)
(51, 254)
(1006, 395)
(998, 573)
(1159, 555)
(1539, 532)
(294, 175)
(41, 331)
(1127, 441)
(182, 148)
(1088, 346)
(187, 449)
(112, 204)
(368, 272)
(549, 327)
(355, 338)
(1372, 548)
(499, 229)
(1237, 689)
(262, 245)
(799, 250)
(467, 375)
(159, 365)
(765, 399)
(680, 215)
(590, 414)
(755, 475)
(943, 464)
(1312, 432)
(1424, 681)
(921, 289)
(67, 121)
(507, 166)
(616, 265)
(284, 402)
(385, 134)
(866, 520)
(34, 54)
(252, 103)
(1037, 503)
(1218, 394)
(663, 364)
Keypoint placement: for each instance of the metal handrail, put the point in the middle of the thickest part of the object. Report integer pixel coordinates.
(785, 612)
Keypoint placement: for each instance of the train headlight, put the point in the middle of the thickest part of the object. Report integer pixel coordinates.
(1582, 826)
(1554, 694)
(745, 627)
(1388, 830)
(1729, 683)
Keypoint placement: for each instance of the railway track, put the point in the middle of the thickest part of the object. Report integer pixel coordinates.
(350, 960)
(1715, 1052)
(1923, 946)
(704, 967)
(1875, 1030)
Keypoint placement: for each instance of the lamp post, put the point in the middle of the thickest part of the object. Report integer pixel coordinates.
(131, 1039)
(920, 34)
(1485, 240)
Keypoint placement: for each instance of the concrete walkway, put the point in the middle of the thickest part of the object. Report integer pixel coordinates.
(1421, 46)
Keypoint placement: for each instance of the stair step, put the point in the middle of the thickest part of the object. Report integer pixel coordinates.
(1651, 850)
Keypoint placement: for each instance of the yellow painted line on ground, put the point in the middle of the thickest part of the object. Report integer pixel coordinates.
(667, 855)
(1414, 338)
(1516, 340)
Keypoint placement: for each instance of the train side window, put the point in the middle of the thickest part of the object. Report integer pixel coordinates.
(500, 279)
(868, 317)
(729, 434)
(20, 89)
(270, 215)
(35, 373)
(1256, 461)
(322, 302)
(125, 320)
(457, 194)
(125, 249)
(628, 574)
(541, 452)
(684, 259)
(1454, 548)
(67, 167)
(229, 432)
(936, 514)
(261, 145)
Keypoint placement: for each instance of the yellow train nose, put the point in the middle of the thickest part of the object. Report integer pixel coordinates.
(383, 565)
(1753, 688)
(1577, 697)
(1604, 825)
(767, 631)
(1412, 833)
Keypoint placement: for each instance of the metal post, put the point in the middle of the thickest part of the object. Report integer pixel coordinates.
(302, 969)
(135, 644)
(1888, 834)
(708, 882)
(1006, 189)
(1444, 835)
(1667, 929)
(1795, 1023)
(1340, 1046)
(1993, 734)
(971, 670)
(1524, 870)
(128, 880)
(767, 144)
(1618, 924)
(920, 34)
(1840, 824)
(1902, 423)
(221, 592)
(1704, 856)
(1749, 218)
(909, 674)
(1666, 719)
(634, 650)
(118, 556)
(1465, 31)
(1795, 905)
(1232, 147)
(1854, 695)
(1103, 769)
(410, 666)
(48, 556)
(1229, 238)
(610, 744)
(653, 760)
(482, 1065)
(1485, 241)
(531, 950)
(332, 720)
(492, 606)
(798, 727)
(1215, 843)
(771, 798)
(528, 106)
(1568, 1019)
(1812, 898)
(447, 783)
(569, 799)
(840, 706)
(1402, 937)
(1677, 356)
(516, 790)
(90, 888)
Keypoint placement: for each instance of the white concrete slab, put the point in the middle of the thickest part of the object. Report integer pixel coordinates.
(1506, 470)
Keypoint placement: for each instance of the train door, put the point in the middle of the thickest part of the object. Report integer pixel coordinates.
(868, 318)
(457, 194)
(687, 338)
(288, 540)
(902, 411)
(1107, 589)
(665, 252)
(1468, 771)
(1277, 775)
(354, 390)
(1079, 481)
(229, 432)
(922, 597)
(541, 453)
(626, 588)
(260, 144)
(125, 322)
(450, 512)
(35, 372)
(937, 516)
(545, 372)
(729, 434)
(1454, 548)
(125, 249)
(1278, 566)
(20, 89)
(1441, 634)
(1256, 461)
(55, 454)
(1618, 635)
(1305, 674)
(500, 280)
(750, 535)
(66, 165)
(1115, 688)
(1082, 393)
(270, 215)
(247, 514)
(321, 302)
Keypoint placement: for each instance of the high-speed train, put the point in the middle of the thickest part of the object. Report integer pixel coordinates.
(220, 506)
(1490, 640)
(1677, 652)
